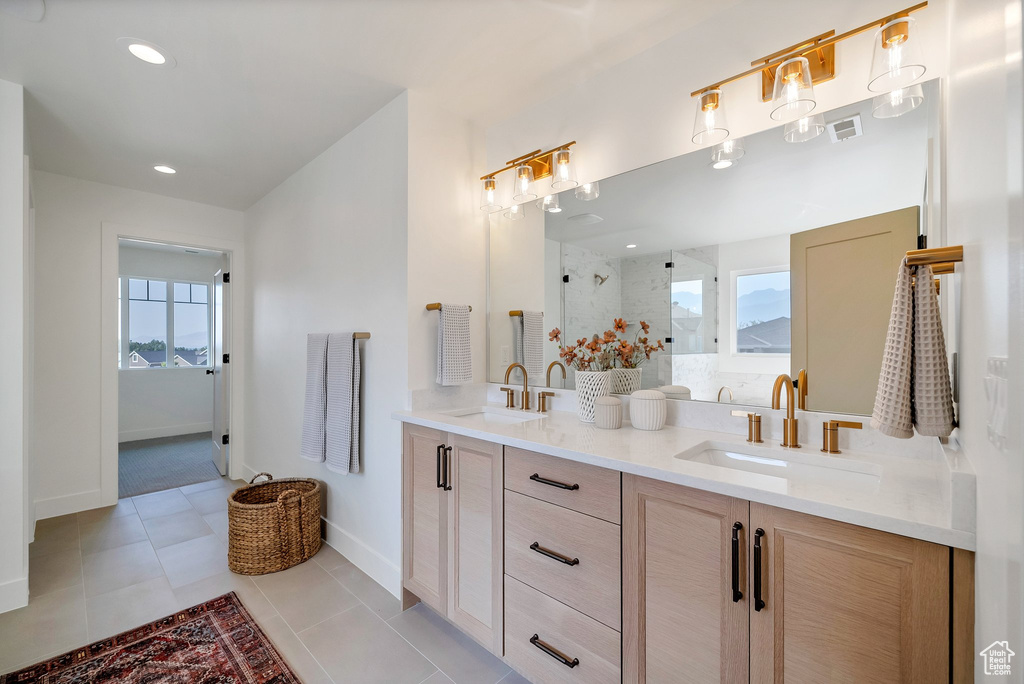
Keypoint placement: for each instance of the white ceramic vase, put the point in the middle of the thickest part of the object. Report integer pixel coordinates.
(626, 380)
(589, 386)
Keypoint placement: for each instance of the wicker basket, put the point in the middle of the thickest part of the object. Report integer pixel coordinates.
(273, 525)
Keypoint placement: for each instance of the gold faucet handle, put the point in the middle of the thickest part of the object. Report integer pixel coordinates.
(510, 397)
(753, 425)
(846, 424)
(830, 434)
(742, 414)
(542, 400)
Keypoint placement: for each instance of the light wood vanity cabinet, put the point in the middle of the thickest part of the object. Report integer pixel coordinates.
(452, 521)
(832, 602)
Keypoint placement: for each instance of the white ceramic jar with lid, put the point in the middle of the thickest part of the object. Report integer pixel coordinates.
(647, 409)
(608, 413)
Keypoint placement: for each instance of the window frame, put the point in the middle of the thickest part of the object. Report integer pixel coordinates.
(734, 307)
(124, 302)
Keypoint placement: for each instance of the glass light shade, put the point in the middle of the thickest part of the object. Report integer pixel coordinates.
(522, 191)
(726, 153)
(588, 191)
(488, 201)
(898, 102)
(515, 212)
(793, 94)
(550, 204)
(563, 171)
(804, 129)
(897, 61)
(709, 125)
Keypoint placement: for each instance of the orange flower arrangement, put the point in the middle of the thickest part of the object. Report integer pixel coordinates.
(601, 353)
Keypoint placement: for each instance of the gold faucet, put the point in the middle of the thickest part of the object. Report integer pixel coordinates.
(525, 403)
(552, 365)
(801, 390)
(725, 388)
(790, 437)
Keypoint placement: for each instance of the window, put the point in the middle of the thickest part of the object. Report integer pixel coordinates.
(688, 316)
(763, 313)
(152, 322)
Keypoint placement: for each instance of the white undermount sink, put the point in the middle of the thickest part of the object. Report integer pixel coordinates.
(494, 415)
(803, 465)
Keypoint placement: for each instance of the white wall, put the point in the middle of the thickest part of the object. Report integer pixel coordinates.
(15, 381)
(69, 218)
(983, 199)
(162, 402)
(327, 253)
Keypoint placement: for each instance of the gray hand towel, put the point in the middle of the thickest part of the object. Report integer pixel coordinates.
(892, 414)
(533, 342)
(933, 395)
(314, 415)
(454, 356)
(342, 450)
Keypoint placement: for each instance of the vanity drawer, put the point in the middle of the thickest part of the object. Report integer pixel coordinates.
(596, 647)
(592, 582)
(596, 490)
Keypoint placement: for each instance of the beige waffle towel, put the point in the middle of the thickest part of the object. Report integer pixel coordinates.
(933, 395)
(454, 356)
(913, 385)
(892, 415)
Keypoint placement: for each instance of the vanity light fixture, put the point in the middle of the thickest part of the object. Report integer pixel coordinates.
(804, 129)
(898, 102)
(488, 201)
(726, 153)
(588, 191)
(515, 212)
(529, 168)
(709, 125)
(163, 168)
(788, 76)
(793, 94)
(896, 62)
(550, 204)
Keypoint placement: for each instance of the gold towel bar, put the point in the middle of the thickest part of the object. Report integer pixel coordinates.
(515, 313)
(436, 306)
(943, 256)
(360, 336)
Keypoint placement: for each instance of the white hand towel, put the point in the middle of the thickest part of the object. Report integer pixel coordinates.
(342, 452)
(892, 413)
(933, 395)
(533, 342)
(454, 357)
(314, 415)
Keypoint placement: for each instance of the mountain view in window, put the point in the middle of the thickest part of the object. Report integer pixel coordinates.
(763, 313)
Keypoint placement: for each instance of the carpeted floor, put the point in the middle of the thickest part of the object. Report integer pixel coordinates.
(153, 465)
(216, 641)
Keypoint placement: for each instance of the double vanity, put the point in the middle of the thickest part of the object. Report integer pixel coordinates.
(586, 555)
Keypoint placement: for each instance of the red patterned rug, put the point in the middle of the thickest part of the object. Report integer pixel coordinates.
(216, 642)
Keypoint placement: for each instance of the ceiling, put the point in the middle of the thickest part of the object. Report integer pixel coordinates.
(261, 87)
(776, 188)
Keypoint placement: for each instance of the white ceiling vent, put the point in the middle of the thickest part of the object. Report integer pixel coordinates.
(585, 219)
(844, 129)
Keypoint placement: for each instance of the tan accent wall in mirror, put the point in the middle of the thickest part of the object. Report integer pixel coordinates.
(842, 279)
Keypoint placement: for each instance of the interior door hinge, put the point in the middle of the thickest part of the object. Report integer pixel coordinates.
(227, 277)
(224, 439)
(226, 358)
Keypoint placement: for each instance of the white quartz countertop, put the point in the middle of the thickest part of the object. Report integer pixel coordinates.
(912, 497)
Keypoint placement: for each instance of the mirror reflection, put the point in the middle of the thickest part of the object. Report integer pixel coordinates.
(735, 264)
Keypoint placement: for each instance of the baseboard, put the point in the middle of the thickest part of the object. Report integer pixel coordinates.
(163, 431)
(383, 571)
(14, 594)
(69, 503)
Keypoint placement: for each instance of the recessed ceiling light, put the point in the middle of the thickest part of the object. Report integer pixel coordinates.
(162, 168)
(630, 246)
(146, 51)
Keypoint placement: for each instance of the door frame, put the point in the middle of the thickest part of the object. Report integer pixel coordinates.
(233, 252)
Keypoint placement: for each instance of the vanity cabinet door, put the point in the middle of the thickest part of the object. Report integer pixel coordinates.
(425, 516)
(680, 622)
(475, 505)
(844, 603)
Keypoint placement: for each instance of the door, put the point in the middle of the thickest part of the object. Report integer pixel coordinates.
(846, 273)
(846, 604)
(424, 516)
(475, 518)
(685, 608)
(221, 372)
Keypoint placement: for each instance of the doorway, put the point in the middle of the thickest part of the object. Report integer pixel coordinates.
(171, 372)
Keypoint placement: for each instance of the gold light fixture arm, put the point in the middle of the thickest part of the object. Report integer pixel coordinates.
(815, 44)
(540, 161)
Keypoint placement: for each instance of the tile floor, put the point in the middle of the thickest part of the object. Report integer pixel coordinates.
(100, 572)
